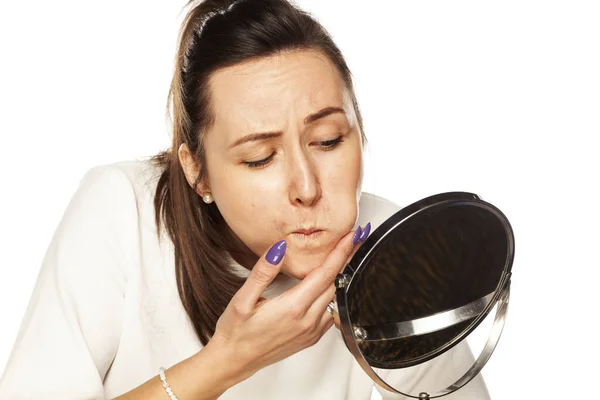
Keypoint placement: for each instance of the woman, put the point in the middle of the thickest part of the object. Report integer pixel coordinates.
(216, 259)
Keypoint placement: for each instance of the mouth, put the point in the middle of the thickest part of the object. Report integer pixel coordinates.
(306, 234)
(309, 231)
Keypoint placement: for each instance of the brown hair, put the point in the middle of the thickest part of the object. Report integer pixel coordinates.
(216, 34)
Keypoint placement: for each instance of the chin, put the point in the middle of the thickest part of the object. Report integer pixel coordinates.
(302, 263)
(306, 253)
(297, 273)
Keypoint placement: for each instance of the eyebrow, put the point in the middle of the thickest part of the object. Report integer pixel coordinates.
(269, 135)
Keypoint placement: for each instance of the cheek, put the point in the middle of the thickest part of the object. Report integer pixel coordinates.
(345, 173)
(252, 206)
(246, 203)
(342, 182)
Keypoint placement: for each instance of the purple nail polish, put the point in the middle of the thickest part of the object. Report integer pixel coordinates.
(276, 252)
(356, 236)
(365, 233)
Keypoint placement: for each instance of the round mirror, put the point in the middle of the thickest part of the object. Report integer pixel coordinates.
(422, 282)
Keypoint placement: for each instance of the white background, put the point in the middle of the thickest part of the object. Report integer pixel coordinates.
(501, 99)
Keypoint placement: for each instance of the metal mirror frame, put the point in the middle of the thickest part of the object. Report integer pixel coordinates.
(360, 260)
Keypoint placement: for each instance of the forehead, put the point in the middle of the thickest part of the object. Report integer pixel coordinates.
(263, 94)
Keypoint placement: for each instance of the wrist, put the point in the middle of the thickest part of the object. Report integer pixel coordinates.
(227, 368)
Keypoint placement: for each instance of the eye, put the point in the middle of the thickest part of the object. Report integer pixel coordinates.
(331, 144)
(325, 145)
(259, 163)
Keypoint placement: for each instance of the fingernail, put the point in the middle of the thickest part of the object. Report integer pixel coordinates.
(276, 252)
(356, 236)
(365, 233)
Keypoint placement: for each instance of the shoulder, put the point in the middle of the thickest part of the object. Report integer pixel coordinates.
(375, 209)
(138, 177)
(128, 186)
(110, 196)
(104, 217)
(113, 197)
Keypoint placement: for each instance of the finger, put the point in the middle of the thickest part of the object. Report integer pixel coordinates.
(260, 302)
(336, 320)
(326, 322)
(315, 283)
(348, 251)
(325, 275)
(261, 276)
(323, 325)
(316, 308)
(326, 296)
(364, 233)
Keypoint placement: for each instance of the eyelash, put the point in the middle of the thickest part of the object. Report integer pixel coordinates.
(327, 145)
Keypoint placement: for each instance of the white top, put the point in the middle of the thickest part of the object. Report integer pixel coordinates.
(105, 313)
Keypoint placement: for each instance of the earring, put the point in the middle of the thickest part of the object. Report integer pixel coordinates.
(207, 198)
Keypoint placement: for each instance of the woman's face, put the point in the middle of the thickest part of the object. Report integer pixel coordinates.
(285, 155)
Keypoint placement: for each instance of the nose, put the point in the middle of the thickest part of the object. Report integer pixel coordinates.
(304, 185)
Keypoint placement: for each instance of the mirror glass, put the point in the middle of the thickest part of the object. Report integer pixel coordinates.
(425, 279)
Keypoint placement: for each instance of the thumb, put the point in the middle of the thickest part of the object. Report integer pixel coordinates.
(263, 273)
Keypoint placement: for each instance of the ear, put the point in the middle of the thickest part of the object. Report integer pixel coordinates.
(191, 169)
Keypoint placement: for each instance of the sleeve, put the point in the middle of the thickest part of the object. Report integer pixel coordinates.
(436, 375)
(70, 332)
(375, 209)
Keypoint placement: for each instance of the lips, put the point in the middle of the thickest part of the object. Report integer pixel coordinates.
(307, 238)
(309, 231)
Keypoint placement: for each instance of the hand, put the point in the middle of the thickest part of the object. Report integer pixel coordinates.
(255, 332)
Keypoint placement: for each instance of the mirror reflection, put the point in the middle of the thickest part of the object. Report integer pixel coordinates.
(422, 286)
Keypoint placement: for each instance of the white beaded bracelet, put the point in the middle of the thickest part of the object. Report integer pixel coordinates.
(163, 378)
